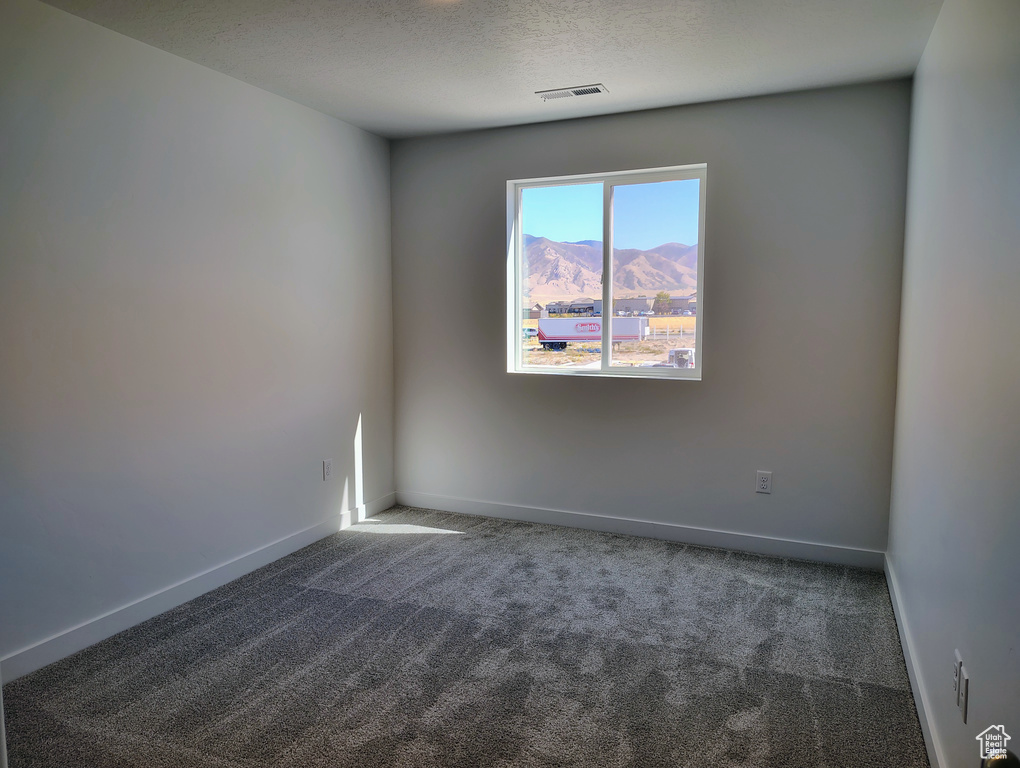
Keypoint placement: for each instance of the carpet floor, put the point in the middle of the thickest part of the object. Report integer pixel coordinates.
(422, 638)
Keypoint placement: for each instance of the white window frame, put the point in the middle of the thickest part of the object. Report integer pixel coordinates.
(515, 257)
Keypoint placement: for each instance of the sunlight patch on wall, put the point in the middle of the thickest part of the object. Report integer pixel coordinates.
(359, 474)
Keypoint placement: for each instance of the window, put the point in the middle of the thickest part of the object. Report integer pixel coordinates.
(605, 273)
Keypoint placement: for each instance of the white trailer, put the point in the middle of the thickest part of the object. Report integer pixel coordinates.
(557, 332)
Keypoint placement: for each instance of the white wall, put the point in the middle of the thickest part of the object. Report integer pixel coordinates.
(804, 248)
(195, 307)
(955, 528)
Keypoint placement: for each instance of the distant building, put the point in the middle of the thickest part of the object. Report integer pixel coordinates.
(678, 304)
(582, 307)
(638, 304)
(536, 312)
(635, 305)
(585, 307)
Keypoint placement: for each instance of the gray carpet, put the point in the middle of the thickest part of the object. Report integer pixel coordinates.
(427, 639)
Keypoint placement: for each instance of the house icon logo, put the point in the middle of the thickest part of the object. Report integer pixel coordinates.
(993, 741)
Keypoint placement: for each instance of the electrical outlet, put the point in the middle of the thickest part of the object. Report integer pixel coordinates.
(763, 482)
(327, 469)
(964, 691)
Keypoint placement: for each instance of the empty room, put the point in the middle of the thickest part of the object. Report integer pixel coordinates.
(412, 383)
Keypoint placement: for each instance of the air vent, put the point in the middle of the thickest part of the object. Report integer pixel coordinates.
(578, 90)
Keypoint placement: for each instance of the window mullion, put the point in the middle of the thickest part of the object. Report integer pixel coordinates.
(518, 274)
(607, 273)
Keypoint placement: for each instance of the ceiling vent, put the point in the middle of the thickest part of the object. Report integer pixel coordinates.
(577, 90)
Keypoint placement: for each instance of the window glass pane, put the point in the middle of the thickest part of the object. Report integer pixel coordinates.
(655, 274)
(561, 276)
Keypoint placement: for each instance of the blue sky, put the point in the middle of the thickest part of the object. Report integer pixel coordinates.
(645, 215)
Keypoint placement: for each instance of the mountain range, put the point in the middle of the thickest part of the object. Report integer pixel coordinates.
(558, 271)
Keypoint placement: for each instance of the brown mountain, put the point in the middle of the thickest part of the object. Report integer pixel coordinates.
(558, 271)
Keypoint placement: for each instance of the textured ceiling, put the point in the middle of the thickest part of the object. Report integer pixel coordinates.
(408, 67)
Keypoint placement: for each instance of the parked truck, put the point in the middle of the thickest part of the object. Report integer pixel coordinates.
(681, 358)
(557, 332)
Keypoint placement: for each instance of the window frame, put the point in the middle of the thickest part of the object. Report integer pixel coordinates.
(515, 260)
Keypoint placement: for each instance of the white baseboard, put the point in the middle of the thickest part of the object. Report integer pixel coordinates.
(365, 511)
(3, 734)
(88, 633)
(706, 537)
(921, 700)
